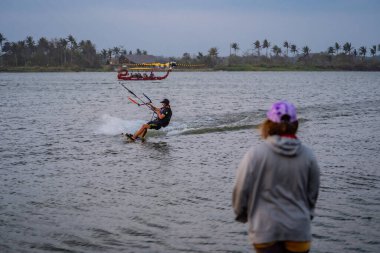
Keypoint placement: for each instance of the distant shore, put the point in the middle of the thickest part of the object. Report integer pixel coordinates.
(54, 69)
(217, 68)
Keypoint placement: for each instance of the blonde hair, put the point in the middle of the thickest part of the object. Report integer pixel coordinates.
(268, 128)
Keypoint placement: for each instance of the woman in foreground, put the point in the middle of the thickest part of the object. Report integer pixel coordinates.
(277, 186)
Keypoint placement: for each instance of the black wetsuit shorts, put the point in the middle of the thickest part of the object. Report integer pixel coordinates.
(154, 124)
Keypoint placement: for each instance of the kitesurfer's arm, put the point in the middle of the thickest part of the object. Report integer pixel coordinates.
(157, 111)
(159, 114)
(152, 107)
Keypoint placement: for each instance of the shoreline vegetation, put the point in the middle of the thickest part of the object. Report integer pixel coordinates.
(68, 55)
(235, 68)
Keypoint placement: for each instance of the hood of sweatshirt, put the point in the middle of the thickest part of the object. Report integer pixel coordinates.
(284, 145)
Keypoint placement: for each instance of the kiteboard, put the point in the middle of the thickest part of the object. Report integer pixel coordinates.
(128, 138)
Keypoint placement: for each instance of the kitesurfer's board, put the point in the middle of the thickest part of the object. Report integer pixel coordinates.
(128, 138)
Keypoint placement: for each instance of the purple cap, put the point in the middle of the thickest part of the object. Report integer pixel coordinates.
(280, 109)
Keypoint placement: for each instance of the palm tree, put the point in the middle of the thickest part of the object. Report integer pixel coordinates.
(330, 51)
(13, 50)
(373, 51)
(109, 53)
(73, 46)
(266, 45)
(235, 47)
(347, 48)
(355, 53)
(31, 47)
(306, 50)
(63, 43)
(87, 54)
(337, 48)
(186, 58)
(293, 49)
(213, 52)
(286, 45)
(116, 51)
(276, 50)
(21, 51)
(2, 39)
(43, 50)
(200, 56)
(257, 47)
(211, 60)
(72, 41)
(104, 54)
(30, 42)
(363, 52)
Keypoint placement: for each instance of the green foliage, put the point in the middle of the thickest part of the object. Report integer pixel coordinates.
(62, 54)
(68, 54)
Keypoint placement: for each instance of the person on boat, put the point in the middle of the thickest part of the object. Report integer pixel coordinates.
(151, 75)
(277, 186)
(164, 115)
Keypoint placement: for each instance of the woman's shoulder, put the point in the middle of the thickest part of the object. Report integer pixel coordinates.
(258, 149)
(307, 150)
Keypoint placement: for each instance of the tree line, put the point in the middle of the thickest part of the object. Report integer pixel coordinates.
(48, 53)
(336, 49)
(59, 52)
(289, 55)
(69, 53)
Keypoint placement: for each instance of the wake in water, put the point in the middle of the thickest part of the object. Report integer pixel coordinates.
(114, 126)
(111, 125)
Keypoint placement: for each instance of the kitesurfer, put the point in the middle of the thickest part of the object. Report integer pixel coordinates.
(164, 115)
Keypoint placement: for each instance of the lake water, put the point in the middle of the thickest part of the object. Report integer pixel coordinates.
(69, 183)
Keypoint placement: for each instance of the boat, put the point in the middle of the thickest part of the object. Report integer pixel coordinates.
(131, 76)
(148, 71)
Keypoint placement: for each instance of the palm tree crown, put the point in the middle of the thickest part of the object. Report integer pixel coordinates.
(337, 47)
(257, 47)
(330, 51)
(235, 46)
(213, 52)
(347, 48)
(266, 45)
(276, 50)
(293, 49)
(373, 50)
(2, 39)
(286, 45)
(363, 51)
(306, 50)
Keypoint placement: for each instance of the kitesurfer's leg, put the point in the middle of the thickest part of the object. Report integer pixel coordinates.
(143, 129)
(144, 133)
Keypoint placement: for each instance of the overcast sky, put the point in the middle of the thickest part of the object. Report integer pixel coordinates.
(173, 27)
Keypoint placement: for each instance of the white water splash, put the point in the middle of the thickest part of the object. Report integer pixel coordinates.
(113, 125)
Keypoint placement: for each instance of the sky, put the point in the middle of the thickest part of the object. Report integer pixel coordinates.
(175, 27)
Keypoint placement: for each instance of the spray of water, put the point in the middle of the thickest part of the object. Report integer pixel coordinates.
(111, 125)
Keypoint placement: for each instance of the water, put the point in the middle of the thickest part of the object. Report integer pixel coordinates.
(70, 184)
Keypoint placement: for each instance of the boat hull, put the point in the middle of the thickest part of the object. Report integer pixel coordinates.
(126, 77)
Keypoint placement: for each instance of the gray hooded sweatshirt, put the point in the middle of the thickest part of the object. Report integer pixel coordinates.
(276, 190)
